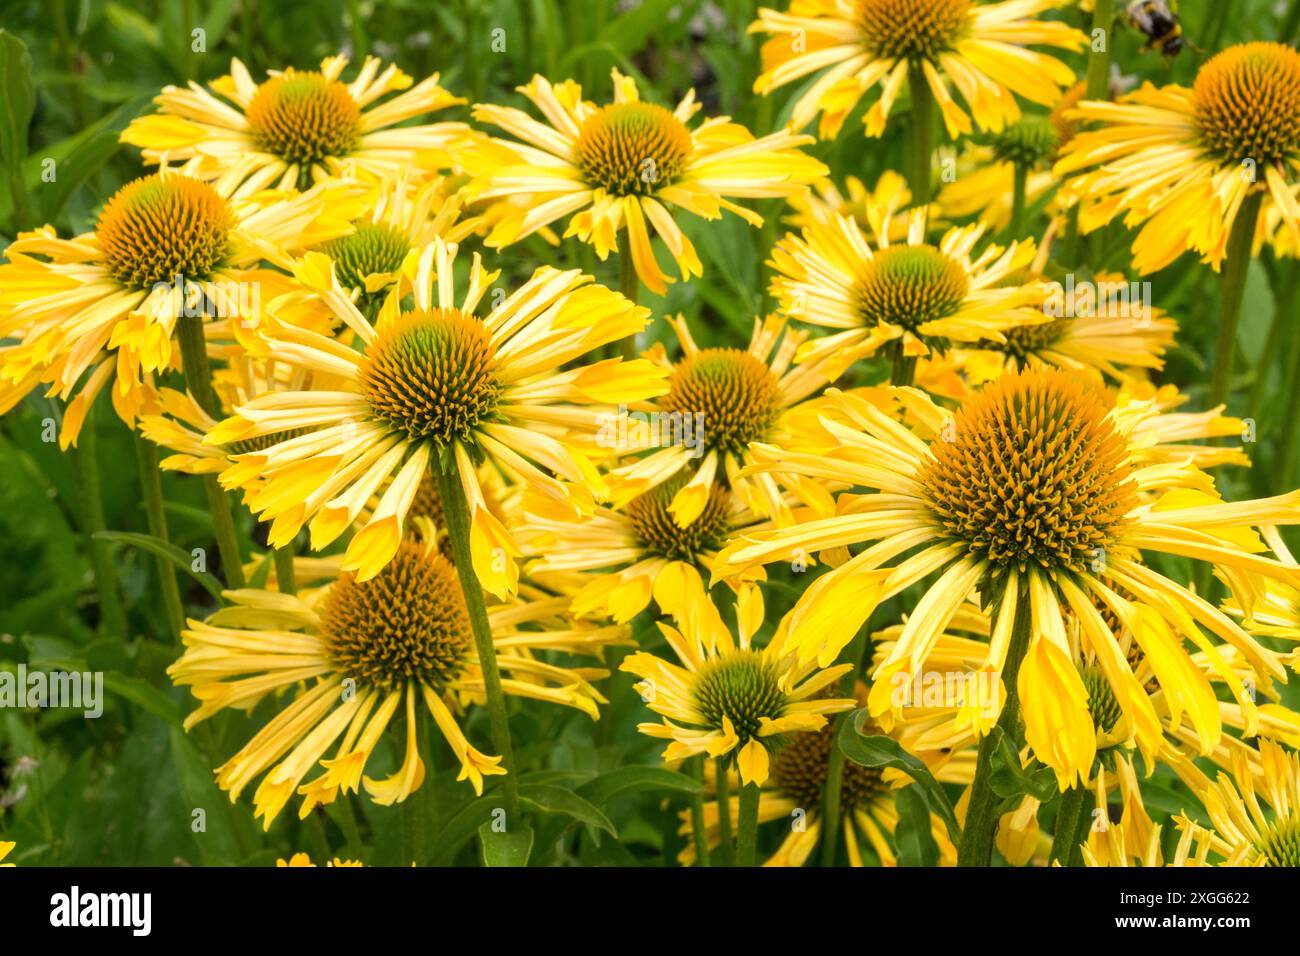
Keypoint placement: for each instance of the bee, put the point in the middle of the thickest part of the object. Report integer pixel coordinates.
(1158, 21)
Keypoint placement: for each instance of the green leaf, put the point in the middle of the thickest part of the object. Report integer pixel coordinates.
(880, 751)
(217, 840)
(511, 848)
(165, 549)
(547, 799)
(17, 99)
(604, 788)
(144, 695)
(461, 826)
(1010, 780)
(630, 31)
(1256, 314)
(80, 156)
(916, 844)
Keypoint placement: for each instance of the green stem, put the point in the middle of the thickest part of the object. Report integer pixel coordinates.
(922, 142)
(456, 514)
(747, 829)
(832, 793)
(415, 814)
(976, 847)
(903, 372)
(285, 582)
(1103, 18)
(189, 20)
(629, 283)
(146, 453)
(112, 615)
(357, 26)
(198, 379)
(695, 767)
(223, 526)
(1240, 243)
(722, 787)
(1071, 818)
(1285, 463)
(1020, 182)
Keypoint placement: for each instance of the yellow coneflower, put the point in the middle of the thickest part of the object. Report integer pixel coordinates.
(1276, 611)
(984, 183)
(1133, 839)
(911, 297)
(303, 860)
(868, 207)
(343, 659)
(1098, 326)
(1183, 163)
(178, 423)
(723, 399)
(957, 699)
(1254, 815)
(408, 213)
(793, 795)
(1033, 497)
(623, 166)
(978, 48)
(729, 699)
(103, 307)
(636, 553)
(434, 386)
(296, 126)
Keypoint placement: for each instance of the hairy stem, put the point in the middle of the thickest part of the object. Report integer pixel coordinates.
(457, 516)
(747, 828)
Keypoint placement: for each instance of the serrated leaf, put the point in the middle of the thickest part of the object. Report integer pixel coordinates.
(165, 549)
(881, 751)
(509, 848)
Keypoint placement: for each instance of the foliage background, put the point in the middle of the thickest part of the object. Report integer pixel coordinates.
(123, 789)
